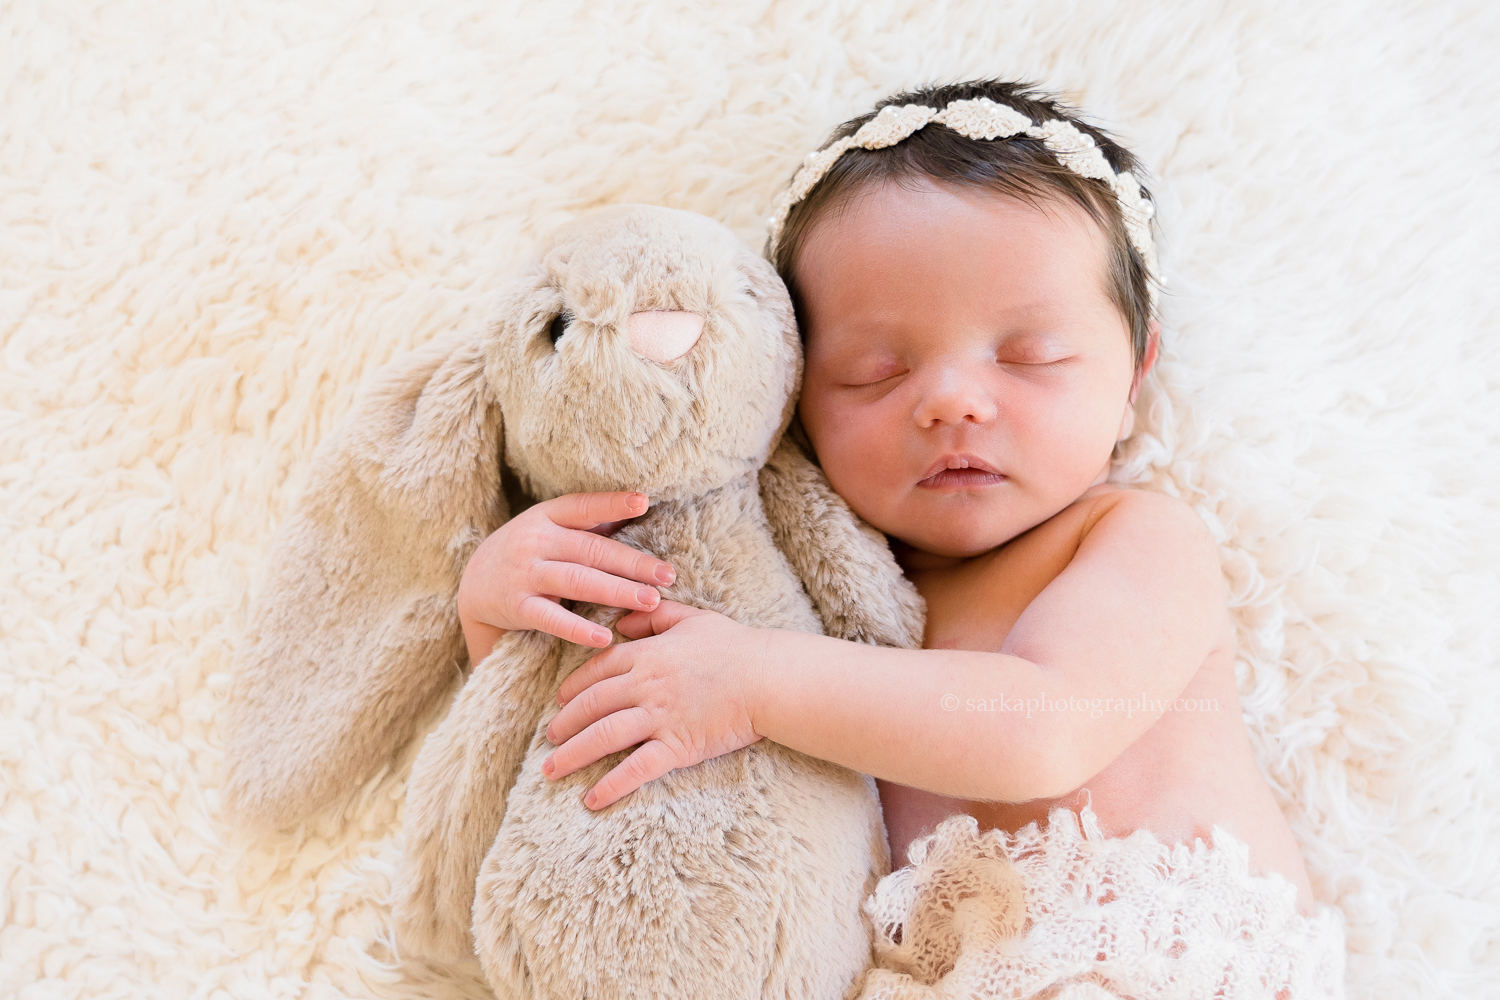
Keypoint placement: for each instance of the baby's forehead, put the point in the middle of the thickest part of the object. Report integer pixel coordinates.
(896, 252)
(916, 216)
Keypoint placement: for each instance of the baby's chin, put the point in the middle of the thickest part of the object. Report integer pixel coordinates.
(918, 549)
(922, 538)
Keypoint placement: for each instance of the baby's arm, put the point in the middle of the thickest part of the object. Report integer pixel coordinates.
(1132, 617)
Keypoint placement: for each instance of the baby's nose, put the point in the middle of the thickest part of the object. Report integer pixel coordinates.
(663, 336)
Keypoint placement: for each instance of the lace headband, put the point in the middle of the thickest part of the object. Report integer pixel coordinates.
(982, 118)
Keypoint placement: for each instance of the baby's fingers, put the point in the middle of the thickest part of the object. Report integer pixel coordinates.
(587, 510)
(581, 583)
(610, 556)
(549, 616)
(651, 760)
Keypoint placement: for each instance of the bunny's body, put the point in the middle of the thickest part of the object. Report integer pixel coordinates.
(648, 350)
(739, 877)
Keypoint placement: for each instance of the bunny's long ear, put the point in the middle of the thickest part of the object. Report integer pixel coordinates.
(354, 633)
(456, 798)
(844, 563)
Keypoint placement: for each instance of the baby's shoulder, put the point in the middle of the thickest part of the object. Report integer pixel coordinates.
(1144, 527)
(1109, 526)
(1126, 503)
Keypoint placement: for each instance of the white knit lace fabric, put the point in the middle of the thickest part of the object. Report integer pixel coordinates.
(1065, 913)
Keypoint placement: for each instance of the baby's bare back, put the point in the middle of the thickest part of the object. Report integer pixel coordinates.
(1194, 768)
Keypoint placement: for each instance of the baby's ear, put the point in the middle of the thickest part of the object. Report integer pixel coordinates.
(1153, 344)
(353, 634)
(1148, 361)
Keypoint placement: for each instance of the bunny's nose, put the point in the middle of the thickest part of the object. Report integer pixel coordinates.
(663, 336)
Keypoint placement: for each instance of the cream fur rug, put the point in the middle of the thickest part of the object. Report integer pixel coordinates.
(215, 220)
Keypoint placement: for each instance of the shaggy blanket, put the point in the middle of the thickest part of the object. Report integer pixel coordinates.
(216, 220)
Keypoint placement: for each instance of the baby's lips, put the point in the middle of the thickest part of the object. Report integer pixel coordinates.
(959, 460)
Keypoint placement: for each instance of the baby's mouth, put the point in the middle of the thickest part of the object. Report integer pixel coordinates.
(961, 477)
(962, 470)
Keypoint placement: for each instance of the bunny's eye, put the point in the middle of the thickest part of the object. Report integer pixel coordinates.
(559, 327)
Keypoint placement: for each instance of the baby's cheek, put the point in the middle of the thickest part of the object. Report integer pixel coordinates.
(857, 469)
(1068, 423)
(858, 447)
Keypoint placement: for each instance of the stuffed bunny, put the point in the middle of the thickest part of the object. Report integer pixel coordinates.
(647, 350)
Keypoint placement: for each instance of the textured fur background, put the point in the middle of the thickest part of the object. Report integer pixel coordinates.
(215, 220)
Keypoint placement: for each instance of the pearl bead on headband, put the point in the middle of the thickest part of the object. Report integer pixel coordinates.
(982, 118)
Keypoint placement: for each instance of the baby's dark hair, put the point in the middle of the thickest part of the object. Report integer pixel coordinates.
(1020, 166)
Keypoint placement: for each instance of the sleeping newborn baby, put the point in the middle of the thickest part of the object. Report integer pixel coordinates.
(973, 274)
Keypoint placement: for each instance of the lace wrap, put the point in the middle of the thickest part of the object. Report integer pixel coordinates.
(1066, 913)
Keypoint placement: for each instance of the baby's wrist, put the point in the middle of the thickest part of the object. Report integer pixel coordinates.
(765, 651)
(467, 619)
(480, 636)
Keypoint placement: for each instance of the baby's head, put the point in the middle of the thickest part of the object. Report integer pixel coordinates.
(987, 300)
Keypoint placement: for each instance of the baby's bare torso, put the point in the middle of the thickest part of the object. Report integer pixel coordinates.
(1190, 771)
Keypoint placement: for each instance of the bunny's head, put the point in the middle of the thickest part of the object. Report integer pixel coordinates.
(649, 349)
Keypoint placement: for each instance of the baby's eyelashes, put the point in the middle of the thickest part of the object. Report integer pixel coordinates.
(1042, 365)
(874, 374)
(861, 385)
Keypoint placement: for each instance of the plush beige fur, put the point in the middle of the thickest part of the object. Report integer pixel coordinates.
(220, 220)
(355, 633)
(739, 877)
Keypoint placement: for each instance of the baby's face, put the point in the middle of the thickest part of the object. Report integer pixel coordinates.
(952, 322)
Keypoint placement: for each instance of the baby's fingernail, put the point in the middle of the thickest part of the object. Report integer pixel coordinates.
(636, 501)
(665, 574)
(590, 799)
(600, 635)
(547, 767)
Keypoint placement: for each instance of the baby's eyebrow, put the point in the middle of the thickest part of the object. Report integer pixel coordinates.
(1034, 330)
(1049, 339)
(848, 362)
(868, 342)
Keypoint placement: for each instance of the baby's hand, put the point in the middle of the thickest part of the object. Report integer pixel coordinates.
(684, 690)
(557, 549)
